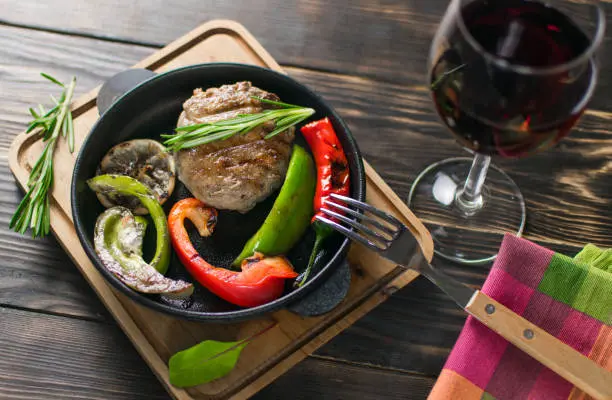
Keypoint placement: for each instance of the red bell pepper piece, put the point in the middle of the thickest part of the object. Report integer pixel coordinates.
(261, 279)
(332, 177)
(332, 165)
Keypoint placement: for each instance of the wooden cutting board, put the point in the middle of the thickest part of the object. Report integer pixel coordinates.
(157, 336)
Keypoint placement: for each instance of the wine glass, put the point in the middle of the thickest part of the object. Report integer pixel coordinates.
(508, 78)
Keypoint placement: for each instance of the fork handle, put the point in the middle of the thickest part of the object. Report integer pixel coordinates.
(539, 344)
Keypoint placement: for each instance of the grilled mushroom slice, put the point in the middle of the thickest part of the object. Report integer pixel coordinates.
(145, 160)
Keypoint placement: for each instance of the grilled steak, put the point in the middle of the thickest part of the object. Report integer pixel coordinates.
(235, 173)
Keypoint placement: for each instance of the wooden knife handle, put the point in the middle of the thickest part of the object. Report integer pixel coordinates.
(539, 344)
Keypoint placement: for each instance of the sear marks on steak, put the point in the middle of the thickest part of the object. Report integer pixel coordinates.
(239, 172)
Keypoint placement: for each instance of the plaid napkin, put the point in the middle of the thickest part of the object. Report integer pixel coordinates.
(569, 298)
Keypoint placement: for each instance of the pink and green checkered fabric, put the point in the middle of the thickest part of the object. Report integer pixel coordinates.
(569, 298)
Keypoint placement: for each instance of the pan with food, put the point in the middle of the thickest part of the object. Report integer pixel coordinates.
(211, 221)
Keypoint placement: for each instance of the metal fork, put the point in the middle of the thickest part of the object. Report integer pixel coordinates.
(388, 236)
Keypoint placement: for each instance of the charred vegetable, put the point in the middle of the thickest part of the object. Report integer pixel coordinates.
(124, 185)
(145, 160)
(290, 215)
(332, 177)
(261, 280)
(118, 241)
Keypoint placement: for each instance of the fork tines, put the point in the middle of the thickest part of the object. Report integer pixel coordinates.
(377, 230)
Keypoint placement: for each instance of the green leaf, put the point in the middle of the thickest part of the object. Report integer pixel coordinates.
(204, 362)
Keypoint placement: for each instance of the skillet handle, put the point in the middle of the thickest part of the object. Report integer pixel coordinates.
(120, 84)
(326, 297)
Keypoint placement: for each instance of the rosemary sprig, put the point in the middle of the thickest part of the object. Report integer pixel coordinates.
(33, 211)
(284, 117)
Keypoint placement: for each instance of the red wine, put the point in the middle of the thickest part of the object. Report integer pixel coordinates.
(498, 110)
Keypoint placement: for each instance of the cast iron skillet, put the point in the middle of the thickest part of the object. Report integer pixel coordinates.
(152, 108)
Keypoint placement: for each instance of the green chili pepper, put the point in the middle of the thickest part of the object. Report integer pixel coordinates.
(118, 238)
(126, 185)
(291, 212)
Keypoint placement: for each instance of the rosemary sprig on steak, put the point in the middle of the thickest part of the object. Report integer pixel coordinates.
(195, 135)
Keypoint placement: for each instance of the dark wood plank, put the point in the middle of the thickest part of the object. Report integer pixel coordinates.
(388, 40)
(414, 330)
(343, 35)
(567, 188)
(399, 135)
(37, 273)
(50, 357)
(327, 379)
(64, 290)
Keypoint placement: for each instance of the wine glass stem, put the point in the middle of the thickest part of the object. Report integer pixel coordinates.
(469, 198)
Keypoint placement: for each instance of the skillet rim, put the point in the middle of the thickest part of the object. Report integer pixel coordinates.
(203, 316)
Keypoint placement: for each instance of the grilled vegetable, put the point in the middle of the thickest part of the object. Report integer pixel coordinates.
(145, 160)
(332, 177)
(261, 280)
(127, 186)
(290, 215)
(118, 241)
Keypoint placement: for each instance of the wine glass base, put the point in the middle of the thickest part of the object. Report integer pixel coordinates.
(473, 239)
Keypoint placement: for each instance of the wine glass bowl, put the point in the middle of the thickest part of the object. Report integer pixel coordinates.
(508, 78)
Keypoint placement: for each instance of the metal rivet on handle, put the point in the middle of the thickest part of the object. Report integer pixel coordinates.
(490, 308)
(528, 333)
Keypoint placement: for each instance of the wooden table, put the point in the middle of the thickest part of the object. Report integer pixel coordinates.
(368, 59)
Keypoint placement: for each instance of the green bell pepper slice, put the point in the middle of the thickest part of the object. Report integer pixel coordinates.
(125, 185)
(291, 213)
